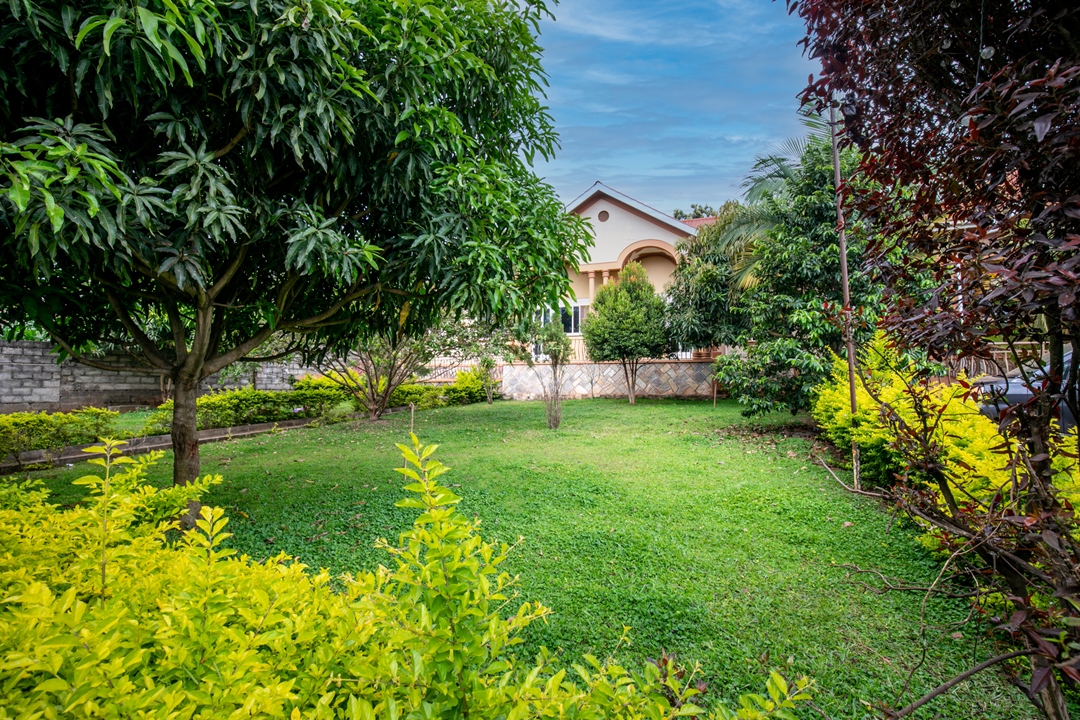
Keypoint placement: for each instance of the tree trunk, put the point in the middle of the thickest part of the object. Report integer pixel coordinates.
(185, 440)
(630, 381)
(1052, 697)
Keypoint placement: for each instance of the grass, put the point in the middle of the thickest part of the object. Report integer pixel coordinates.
(708, 538)
(131, 423)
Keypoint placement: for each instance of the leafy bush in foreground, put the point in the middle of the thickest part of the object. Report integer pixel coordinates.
(247, 406)
(25, 431)
(103, 615)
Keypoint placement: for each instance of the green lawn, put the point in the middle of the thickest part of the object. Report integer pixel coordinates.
(712, 541)
(132, 422)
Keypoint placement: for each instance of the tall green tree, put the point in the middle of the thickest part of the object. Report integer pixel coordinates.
(627, 323)
(239, 172)
(788, 322)
(699, 297)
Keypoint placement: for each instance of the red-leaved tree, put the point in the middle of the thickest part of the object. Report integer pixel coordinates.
(968, 116)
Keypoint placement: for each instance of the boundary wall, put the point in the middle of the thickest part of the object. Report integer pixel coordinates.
(31, 379)
(656, 378)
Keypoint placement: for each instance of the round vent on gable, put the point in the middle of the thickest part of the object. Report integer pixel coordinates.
(603, 216)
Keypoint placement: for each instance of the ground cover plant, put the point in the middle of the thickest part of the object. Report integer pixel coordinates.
(712, 540)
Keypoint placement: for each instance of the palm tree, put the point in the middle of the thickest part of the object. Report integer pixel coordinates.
(764, 210)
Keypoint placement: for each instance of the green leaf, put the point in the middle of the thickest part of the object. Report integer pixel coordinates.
(19, 194)
(149, 23)
(179, 59)
(52, 685)
(88, 26)
(110, 28)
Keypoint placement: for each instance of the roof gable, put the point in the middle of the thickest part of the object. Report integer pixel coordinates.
(599, 189)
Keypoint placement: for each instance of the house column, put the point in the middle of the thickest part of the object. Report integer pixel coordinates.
(592, 285)
(607, 275)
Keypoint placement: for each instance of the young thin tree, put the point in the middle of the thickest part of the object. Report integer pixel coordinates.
(248, 171)
(555, 351)
(467, 341)
(377, 366)
(627, 323)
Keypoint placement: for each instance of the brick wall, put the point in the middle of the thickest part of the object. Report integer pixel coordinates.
(31, 379)
(662, 378)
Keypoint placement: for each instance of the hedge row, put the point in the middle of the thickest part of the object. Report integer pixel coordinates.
(247, 407)
(312, 397)
(467, 388)
(25, 431)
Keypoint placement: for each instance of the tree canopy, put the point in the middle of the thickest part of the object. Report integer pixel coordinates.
(788, 320)
(699, 298)
(627, 323)
(696, 211)
(186, 181)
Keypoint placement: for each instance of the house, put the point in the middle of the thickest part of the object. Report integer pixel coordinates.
(624, 230)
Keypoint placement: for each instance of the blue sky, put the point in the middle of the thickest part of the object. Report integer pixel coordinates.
(669, 102)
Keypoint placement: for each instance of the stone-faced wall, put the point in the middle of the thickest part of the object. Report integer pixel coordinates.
(31, 379)
(659, 378)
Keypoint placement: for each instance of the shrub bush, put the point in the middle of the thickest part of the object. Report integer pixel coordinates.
(247, 406)
(467, 388)
(971, 444)
(51, 432)
(320, 382)
(105, 615)
(425, 395)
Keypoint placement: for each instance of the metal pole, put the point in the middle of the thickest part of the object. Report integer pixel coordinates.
(849, 340)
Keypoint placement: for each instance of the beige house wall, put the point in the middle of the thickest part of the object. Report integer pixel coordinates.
(622, 228)
(629, 232)
(659, 268)
(580, 283)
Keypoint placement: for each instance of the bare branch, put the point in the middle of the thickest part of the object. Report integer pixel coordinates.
(222, 152)
(148, 346)
(230, 272)
(945, 687)
(866, 493)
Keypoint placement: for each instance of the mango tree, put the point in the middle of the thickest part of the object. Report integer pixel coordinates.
(187, 182)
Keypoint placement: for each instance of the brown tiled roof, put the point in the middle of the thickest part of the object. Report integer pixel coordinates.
(698, 222)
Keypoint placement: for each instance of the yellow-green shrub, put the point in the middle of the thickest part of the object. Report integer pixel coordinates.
(467, 388)
(25, 431)
(321, 382)
(103, 615)
(972, 447)
(230, 408)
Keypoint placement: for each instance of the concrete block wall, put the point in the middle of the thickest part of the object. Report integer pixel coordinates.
(659, 378)
(31, 379)
(28, 376)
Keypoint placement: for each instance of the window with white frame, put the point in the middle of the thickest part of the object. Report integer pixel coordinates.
(570, 316)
